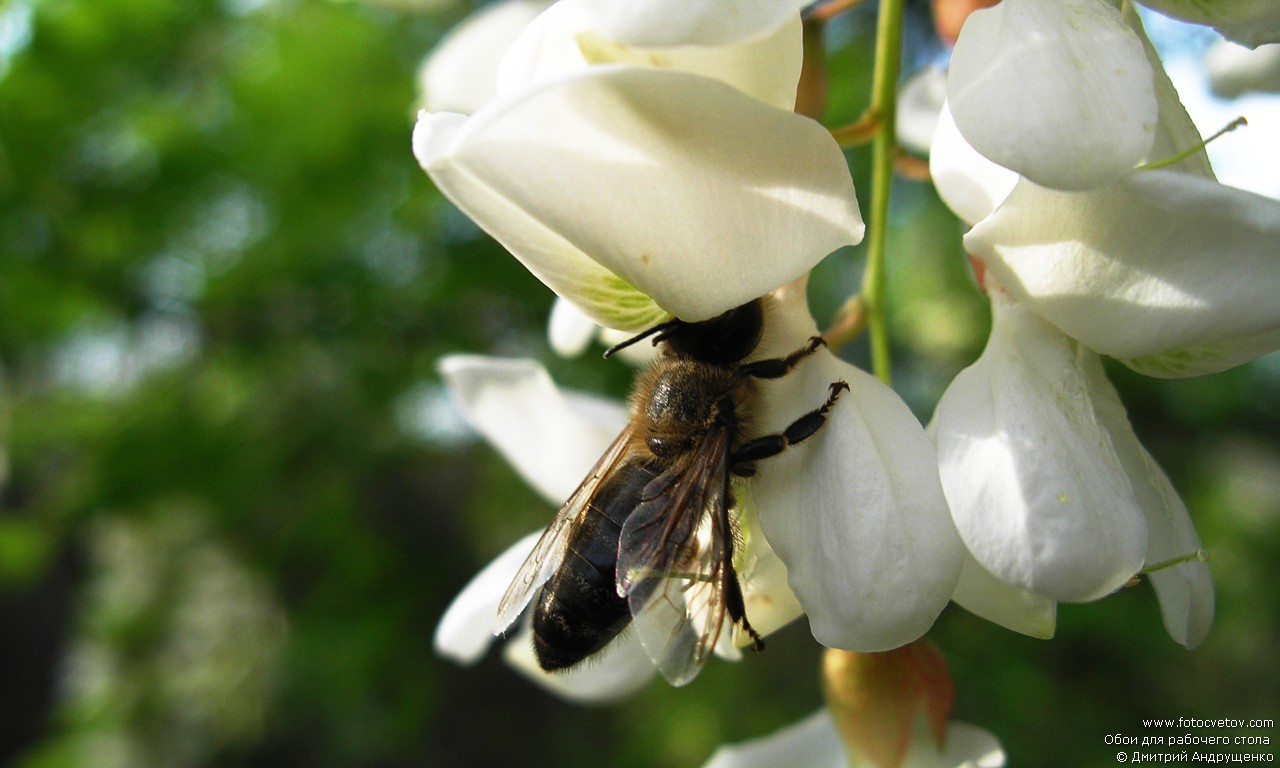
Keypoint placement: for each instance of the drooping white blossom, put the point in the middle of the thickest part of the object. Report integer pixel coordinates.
(646, 146)
(1034, 483)
(1052, 492)
(1059, 91)
(855, 511)
(643, 161)
(1172, 273)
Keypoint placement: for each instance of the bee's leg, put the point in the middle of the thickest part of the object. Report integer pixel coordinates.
(736, 607)
(742, 461)
(777, 367)
(734, 604)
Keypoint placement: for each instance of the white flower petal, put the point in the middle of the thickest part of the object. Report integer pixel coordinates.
(971, 185)
(1058, 90)
(615, 673)
(466, 629)
(566, 40)
(665, 23)
(811, 743)
(855, 511)
(1037, 491)
(551, 438)
(460, 74)
(1173, 274)
(1250, 22)
(651, 151)
(1185, 590)
(982, 594)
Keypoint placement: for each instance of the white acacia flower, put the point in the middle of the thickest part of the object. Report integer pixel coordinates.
(1167, 270)
(814, 742)
(1052, 492)
(1067, 92)
(853, 511)
(1171, 273)
(641, 192)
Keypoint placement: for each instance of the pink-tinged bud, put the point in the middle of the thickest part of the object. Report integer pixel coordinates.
(876, 699)
(949, 16)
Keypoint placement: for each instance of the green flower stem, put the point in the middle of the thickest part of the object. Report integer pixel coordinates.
(1168, 161)
(884, 98)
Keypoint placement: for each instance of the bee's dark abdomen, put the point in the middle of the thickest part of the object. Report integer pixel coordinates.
(579, 611)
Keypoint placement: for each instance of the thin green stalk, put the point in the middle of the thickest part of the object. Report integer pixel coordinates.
(884, 97)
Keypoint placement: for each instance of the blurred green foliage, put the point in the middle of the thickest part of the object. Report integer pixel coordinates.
(235, 502)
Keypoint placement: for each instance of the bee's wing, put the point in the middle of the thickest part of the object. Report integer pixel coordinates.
(549, 551)
(672, 561)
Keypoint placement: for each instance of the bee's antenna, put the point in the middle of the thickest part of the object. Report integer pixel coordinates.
(661, 329)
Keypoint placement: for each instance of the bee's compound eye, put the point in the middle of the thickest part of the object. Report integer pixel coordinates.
(665, 447)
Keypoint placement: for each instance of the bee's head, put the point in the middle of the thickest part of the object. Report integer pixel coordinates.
(724, 340)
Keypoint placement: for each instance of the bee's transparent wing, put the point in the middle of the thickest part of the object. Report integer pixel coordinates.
(549, 551)
(672, 561)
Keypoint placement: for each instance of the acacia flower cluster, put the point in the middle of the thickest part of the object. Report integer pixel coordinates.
(1099, 229)
(643, 160)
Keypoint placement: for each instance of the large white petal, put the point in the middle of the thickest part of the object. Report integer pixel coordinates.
(665, 23)
(461, 73)
(971, 185)
(856, 511)
(466, 629)
(1058, 90)
(1185, 590)
(550, 437)
(695, 194)
(615, 673)
(982, 594)
(1250, 22)
(567, 39)
(1037, 491)
(1172, 273)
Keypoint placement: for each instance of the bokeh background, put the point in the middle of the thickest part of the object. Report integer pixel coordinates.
(236, 500)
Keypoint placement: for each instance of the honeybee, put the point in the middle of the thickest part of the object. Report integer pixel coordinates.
(648, 536)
